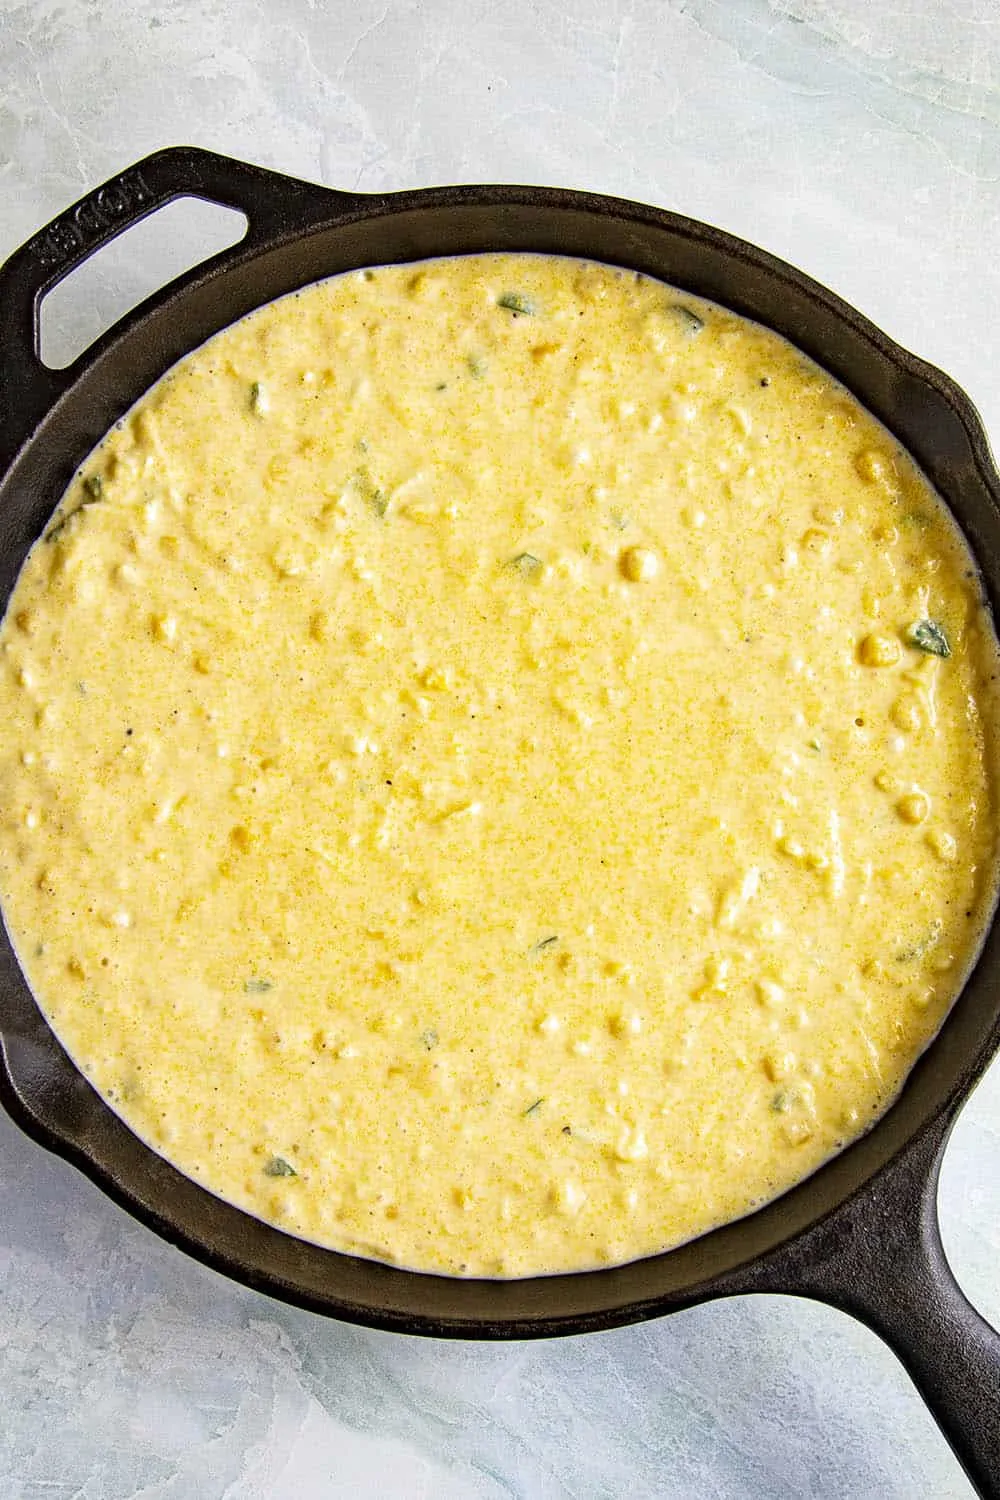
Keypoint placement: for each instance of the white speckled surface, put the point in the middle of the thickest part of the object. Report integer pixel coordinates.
(862, 142)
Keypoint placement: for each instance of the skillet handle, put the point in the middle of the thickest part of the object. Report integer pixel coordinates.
(880, 1258)
(270, 201)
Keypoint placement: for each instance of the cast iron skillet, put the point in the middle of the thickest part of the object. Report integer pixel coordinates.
(861, 1233)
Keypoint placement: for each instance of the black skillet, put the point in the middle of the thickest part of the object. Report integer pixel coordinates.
(861, 1233)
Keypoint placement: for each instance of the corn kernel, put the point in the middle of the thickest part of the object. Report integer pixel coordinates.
(631, 1146)
(942, 843)
(817, 541)
(914, 807)
(874, 467)
(639, 564)
(779, 1065)
(905, 713)
(878, 650)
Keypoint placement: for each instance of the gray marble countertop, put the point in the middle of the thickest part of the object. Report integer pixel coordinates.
(859, 141)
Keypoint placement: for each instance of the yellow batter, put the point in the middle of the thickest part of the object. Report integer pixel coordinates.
(496, 765)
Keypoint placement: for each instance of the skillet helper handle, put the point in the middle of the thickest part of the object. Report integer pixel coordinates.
(270, 201)
(880, 1258)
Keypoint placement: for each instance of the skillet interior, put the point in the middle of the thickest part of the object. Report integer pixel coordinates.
(330, 233)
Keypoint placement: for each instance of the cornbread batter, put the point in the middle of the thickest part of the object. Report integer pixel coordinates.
(496, 765)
